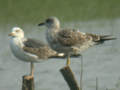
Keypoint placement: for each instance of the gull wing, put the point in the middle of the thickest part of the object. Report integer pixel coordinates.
(33, 43)
(99, 39)
(70, 37)
(38, 48)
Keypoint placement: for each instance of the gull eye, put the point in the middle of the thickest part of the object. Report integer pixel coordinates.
(49, 20)
(17, 30)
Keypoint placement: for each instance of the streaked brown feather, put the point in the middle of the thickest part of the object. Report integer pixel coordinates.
(38, 48)
(99, 39)
(71, 37)
(42, 52)
(93, 36)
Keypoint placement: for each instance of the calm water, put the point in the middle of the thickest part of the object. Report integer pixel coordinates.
(100, 17)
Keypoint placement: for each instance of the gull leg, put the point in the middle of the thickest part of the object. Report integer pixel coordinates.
(68, 60)
(32, 69)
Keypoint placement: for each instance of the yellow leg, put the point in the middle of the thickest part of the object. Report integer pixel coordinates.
(68, 60)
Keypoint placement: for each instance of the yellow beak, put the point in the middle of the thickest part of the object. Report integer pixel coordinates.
(11, 34)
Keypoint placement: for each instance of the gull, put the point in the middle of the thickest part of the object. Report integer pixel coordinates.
(70, 41)
(30, 50)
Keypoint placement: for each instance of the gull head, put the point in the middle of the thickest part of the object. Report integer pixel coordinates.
(51, 22)
(17, 32)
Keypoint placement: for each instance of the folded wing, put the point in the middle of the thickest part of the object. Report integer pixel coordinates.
(38, 48)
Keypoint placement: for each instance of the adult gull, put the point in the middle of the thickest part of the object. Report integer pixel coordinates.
(30, 50)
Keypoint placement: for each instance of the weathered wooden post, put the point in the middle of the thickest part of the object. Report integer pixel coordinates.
(69, 78)
(28, 83)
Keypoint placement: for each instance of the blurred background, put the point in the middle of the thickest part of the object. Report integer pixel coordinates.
(93, 16)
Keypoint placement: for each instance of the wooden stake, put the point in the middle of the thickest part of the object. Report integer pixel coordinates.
(69, 78)
(28, 83)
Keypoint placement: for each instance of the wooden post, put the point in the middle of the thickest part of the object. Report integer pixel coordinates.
(28, 83)
(69, 78)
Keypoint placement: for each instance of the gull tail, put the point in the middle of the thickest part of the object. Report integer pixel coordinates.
(103, 38)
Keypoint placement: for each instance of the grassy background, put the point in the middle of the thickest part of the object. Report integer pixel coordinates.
(31, 11)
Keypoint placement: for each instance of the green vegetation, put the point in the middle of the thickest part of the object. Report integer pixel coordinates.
(67, 10)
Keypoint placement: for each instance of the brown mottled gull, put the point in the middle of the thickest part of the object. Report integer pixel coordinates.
(70, 41)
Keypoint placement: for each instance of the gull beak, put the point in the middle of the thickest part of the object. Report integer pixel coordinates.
(41, 24)
(11, 34)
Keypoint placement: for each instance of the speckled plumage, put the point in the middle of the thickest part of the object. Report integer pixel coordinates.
(38, 48)
(70, 41)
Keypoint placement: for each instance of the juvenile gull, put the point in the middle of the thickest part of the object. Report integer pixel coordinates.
(29, 50)
(70, 41)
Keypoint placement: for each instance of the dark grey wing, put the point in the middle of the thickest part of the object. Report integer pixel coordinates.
(71, 37)
(38, 48)
(42, 52)
(33, 43)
